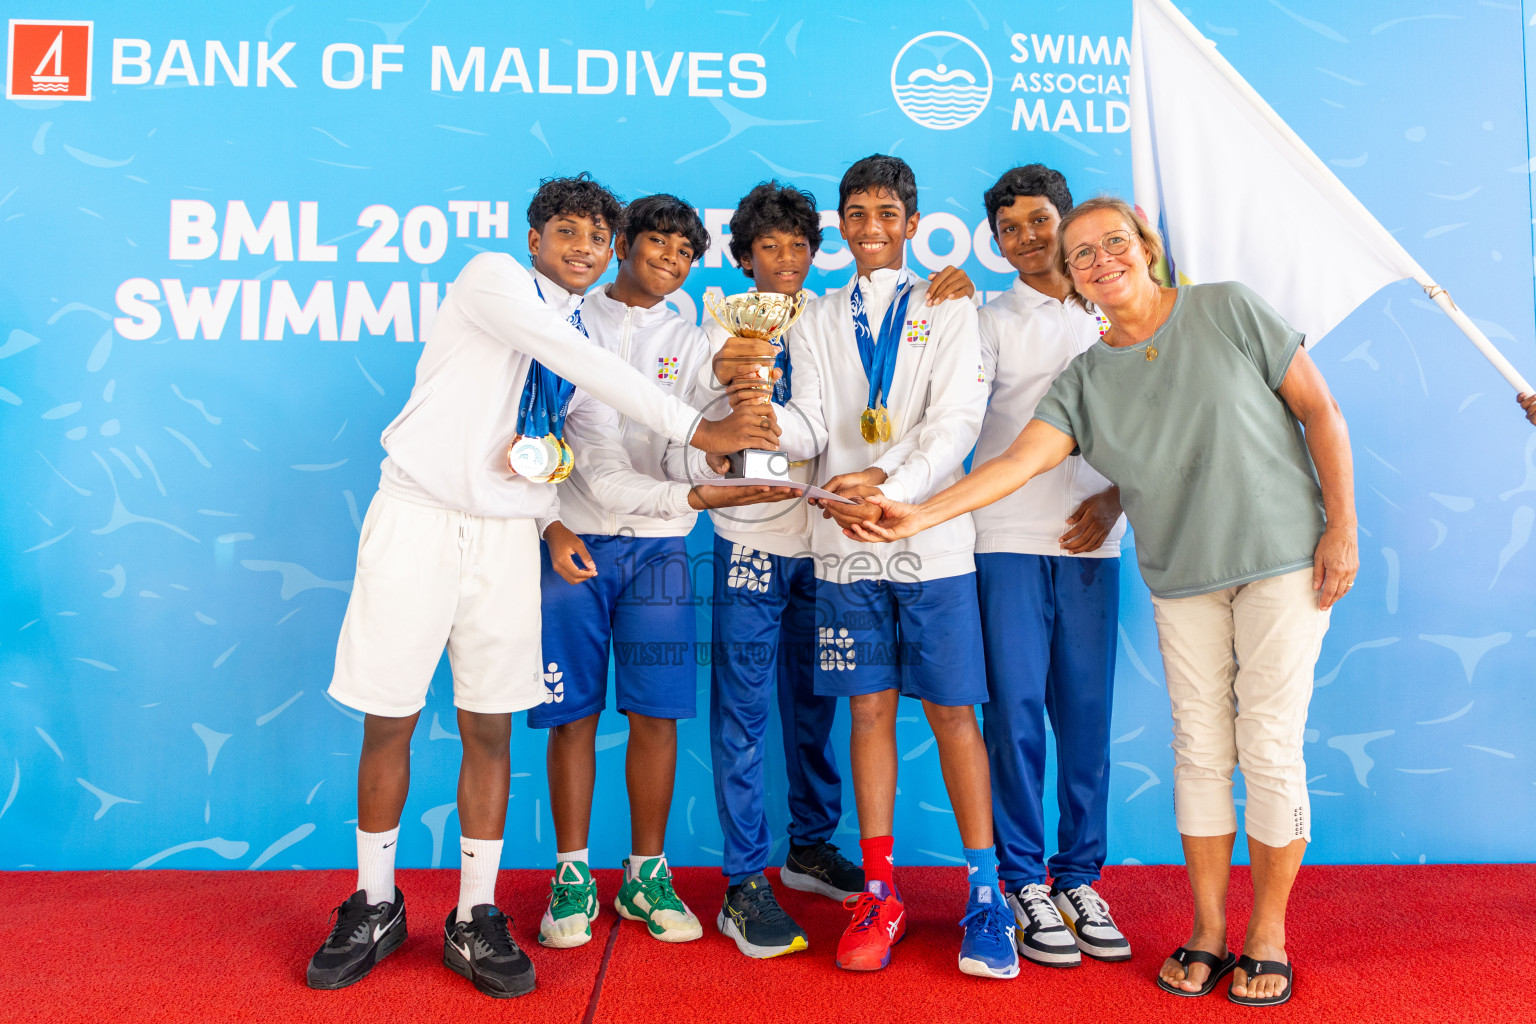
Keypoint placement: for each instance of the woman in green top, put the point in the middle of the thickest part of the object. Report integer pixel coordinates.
(1234, 469)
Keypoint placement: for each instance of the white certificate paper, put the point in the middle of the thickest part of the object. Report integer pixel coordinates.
(808, 490)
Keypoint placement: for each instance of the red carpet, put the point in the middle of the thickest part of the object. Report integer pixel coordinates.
(1400, 944)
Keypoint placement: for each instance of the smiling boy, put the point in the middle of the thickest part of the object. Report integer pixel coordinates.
(902, 398)
(1048, 573)
(624, 517)
(448, 556)
(764, 611)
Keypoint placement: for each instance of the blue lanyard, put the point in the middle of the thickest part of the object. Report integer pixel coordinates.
(879, 356)
(546, 396)
(781, 388)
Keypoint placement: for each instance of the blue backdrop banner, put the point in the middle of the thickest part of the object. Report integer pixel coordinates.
(226, 229)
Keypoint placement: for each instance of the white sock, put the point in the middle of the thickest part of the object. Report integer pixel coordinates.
(477, 873)
(579, 856)
(376, 864)
(632, 872)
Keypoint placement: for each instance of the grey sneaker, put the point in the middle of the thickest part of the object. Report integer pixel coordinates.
(1086, 913)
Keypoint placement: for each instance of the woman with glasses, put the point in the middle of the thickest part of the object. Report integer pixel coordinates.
(1234, 470)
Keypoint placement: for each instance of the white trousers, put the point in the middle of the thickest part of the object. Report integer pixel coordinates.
(1239, 664)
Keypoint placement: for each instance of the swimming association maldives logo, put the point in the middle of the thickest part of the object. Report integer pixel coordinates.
(941, 80)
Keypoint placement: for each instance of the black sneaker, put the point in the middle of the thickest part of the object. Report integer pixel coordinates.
(485, 952)
(753, 917)
(822, 868)
(365, 933)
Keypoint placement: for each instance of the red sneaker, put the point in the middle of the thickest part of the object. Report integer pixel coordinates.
(879, 922)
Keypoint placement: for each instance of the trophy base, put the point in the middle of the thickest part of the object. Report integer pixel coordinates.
(758, 464)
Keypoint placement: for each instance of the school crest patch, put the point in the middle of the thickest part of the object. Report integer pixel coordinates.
(917, 333)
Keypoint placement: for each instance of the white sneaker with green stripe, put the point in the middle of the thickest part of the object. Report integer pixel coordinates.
(572, 907)
(649, 897)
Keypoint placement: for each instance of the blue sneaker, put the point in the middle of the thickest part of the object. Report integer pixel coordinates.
(987, 950)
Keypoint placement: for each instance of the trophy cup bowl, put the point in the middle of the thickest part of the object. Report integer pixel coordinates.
(766, 316)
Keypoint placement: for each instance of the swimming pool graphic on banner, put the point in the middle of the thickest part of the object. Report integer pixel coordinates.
(941, 95)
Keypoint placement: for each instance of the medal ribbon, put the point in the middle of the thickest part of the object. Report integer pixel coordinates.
(781, 388)
(546, 395)
(879, 354)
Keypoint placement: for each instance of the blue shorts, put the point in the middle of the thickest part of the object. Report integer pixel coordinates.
(921, 637)
(641, 607)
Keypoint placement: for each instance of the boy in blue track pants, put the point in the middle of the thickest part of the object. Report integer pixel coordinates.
(764, 616)
(1048, 578)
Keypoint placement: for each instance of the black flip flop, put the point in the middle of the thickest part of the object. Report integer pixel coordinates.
(1254, 968)
(1220, 966)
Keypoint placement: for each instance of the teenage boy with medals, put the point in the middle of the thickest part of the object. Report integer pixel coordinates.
(902, 408)
(449, 556)
(1048, 571)
(617, 577)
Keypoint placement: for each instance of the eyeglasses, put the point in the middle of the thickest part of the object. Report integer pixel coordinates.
(1114, 244)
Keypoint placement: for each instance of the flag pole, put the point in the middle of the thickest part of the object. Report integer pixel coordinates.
(1439, 295)
(1442, 298)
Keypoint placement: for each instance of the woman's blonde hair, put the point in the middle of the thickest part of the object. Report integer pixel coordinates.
(1151, 243)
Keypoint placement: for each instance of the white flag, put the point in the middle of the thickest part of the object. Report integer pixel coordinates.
(1237, 196)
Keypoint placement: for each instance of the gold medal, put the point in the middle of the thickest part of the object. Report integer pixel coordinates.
(567, 461)
(867, 429)
(536, 458)
(875, 425)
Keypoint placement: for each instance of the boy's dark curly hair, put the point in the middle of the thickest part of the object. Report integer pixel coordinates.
(574, 197)
(771, 206)
(1029, 180)
(880, 173)
(668, 215)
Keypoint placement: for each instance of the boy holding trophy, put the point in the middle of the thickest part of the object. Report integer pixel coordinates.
(765, 603)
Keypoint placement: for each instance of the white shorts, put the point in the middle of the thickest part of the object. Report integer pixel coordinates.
(427, 577)
(1239, 666)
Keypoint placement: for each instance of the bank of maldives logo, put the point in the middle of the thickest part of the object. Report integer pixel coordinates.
(941, 80)
(48, 60)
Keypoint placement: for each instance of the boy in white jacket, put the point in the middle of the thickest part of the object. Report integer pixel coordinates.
(764, 611)
(902, 399)
(626, 519)
(449, 555)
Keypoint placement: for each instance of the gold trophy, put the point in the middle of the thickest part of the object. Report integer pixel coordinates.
(764, 315)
